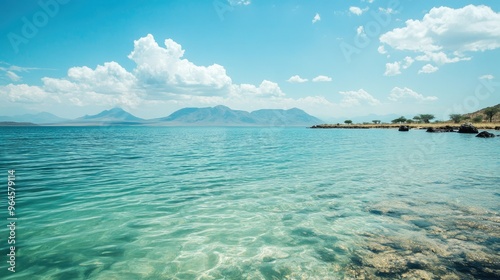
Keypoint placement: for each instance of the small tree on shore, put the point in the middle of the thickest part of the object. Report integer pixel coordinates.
(399, 120)
(477, 119)
(456, 118)
(490, 112)
(376, 121)
(417, 119)
(426, 117)
(348, 122)
(409, 121)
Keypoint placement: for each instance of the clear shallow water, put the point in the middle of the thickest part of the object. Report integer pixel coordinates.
(252, 203)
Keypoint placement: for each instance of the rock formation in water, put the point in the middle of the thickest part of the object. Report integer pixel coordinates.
(467, 128)
(441, 129)
(485, 134)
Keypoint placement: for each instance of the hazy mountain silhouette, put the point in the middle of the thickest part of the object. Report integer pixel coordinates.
(222, 115)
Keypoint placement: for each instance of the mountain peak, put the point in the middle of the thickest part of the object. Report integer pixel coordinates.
(114, 114)
(222, 107)
(116, 109)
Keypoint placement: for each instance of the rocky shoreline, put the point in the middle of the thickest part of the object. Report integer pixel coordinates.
(464, 128)
(442, 126)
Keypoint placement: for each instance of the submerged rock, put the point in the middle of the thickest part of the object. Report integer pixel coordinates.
(386, 263)
(485, 134)
(418, 274)
(467, 128)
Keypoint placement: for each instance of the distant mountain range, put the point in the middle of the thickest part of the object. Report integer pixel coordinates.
(209, 116)
(222, 115)
(40, 118)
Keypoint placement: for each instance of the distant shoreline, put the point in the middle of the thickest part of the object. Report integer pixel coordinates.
(411, 126)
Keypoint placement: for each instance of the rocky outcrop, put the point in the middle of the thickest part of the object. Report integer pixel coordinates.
(467, 128)
(441, 129)
(485, 134)
(404, 128)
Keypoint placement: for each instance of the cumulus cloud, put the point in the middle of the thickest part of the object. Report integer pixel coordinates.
(265, 89)
(110, 78)
(398, 93)
(445, 31)
(487, 77)
(428, 68)
(392, 69)
(322, 78)
(296, 79)
(381, 50)
(407, 62)
(23, 93)
(354, 98)
(357, 10)
(440, 58)
(107, 84)
(166, 66)
(316, 18)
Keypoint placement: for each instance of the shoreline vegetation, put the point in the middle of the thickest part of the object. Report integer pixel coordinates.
(455, 126)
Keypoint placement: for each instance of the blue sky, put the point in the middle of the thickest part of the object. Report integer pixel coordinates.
(331, 58)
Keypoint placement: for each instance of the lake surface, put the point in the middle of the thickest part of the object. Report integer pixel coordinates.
(251, 203)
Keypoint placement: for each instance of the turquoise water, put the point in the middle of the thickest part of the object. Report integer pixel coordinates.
(251, 203)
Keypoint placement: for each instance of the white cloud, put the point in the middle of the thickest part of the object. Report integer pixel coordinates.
(406, 93)
(296, 79)
(354, 98)
(108, 84)
(392, 69)
(440, 58)
(316, 18)
(381, 50)
(165, 66)
(355, 10)
(322, 78)
(13, 76)
(428, 68)
(360, 31)
(265, 89)
(407, 62)
(445, 31)
(23, 93)
(487, 77)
